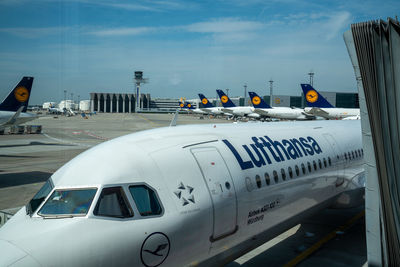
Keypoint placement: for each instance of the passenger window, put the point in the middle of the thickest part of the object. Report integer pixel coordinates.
(325, 163)
(283, 174)
(309, 166)
(297, 170)
(112, 203)
(303, 168)
(258, 181)
(345, 156)
(349, 155)
(146, 200)
(362, 151)
(329, 161)
(275, 174)
(319, 163)
(352, 153)
(267, 180)
(315, 165)
(290, 172)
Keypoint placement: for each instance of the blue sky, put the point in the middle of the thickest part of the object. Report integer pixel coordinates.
(183, 47)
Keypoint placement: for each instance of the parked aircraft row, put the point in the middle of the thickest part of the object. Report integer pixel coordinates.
(13, 107)
(317, 106)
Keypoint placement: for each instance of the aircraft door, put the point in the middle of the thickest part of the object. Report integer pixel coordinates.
(220, 185)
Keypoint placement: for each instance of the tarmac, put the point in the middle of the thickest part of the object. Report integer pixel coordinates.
(333, 237)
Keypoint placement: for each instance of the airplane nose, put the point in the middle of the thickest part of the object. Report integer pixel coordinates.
(12, 255)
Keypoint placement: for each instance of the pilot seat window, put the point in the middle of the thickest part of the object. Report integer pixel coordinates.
(112, 203)
(40, 196)
(146, 200)
(68, 202)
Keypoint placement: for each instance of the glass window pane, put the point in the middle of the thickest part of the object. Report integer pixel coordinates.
(275, 174)
(68, 202)
(267, 180)
(40, 196)
(283, 174)
(112, 203)
(258, 181)
(146, 200)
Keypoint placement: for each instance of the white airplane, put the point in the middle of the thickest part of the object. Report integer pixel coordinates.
(319, 106)
(194, 195)
(13, 108)
(230, 107)
(265, 110)
(189, 107)
(209, 108)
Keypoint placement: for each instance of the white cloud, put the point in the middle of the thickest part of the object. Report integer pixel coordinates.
(123, 31)
(225, 25)
(33, 32)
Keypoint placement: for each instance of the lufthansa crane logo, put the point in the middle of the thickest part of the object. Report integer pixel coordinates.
(256, 100)
(21, 94)
(181, 105)
(312, 96)
(155, 249)
(189, 105)
(224, 99)
(204, 101)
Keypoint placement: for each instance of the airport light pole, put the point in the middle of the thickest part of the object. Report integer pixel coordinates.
(65, 98)
(270, 91)
(311, 74)
(245, 92)
(227, 91)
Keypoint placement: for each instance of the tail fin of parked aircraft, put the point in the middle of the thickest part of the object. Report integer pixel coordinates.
(19, 96)
(313, 98)
(226, 101)
(257, 101)
(206, 103)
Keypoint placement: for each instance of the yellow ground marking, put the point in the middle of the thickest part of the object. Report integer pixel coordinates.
(146, 119)
(324, 240)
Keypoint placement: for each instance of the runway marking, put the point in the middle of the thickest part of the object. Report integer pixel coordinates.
(302, 256)
(146, 119)
(65, 142)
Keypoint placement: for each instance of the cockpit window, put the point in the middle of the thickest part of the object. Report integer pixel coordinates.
(40, 196)
(112, 203)
(68, 202)
(146, 200)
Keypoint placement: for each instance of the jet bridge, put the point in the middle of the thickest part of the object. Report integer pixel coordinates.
(374, 49)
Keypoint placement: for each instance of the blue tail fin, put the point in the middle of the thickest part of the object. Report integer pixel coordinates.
(206, 103)
(313, 98)
(188, 105)
(185, 105)
(226, 102)
(19, 96)
(257, 101)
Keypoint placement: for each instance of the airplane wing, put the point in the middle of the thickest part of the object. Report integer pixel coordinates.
(14, 117)
(227, 110)
(318, 112)
(261, 112)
